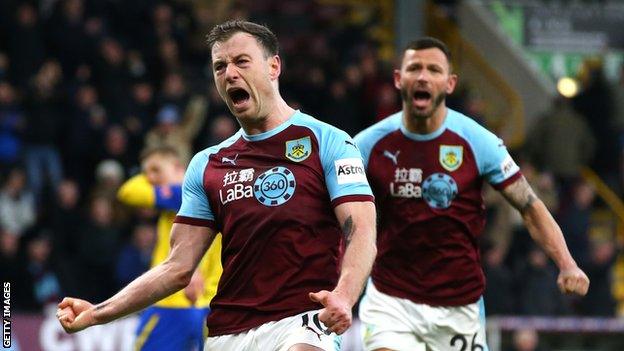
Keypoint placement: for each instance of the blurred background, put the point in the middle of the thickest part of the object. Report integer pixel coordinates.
(86, 84)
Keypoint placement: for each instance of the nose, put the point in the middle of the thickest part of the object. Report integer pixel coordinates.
(422, 76)
(231, 72)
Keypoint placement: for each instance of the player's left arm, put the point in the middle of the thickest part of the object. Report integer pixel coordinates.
(547, 233)
(357, 220)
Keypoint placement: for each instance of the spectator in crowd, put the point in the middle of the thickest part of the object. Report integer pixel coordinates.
(141, 112)
(339, 109)
(595, 104)
(617, 92)
(44, 123)
(526, 340)
(575, 218)
(42, 281)
(65, 224)
(67, 37)
(174, 91)
(177, 130)
(11, 126)
(498, 296)
(561, 143)
(536, 283)
(12, 269)
(97, 245)
(221, 127)
(17, 204)
(115, 147)
(113, 78)
(109, 174)
(4, 66)
(26, 46)
(386, 102)
(135, 256)
(599, 301)
(87, 125)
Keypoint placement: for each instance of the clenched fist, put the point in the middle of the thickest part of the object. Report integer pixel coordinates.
(75, 314)
(573, 281)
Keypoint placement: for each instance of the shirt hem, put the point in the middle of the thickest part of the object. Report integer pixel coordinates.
(198, 222)
(352, 198)
(505, 183)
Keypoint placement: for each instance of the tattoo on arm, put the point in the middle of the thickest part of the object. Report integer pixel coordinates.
(520, 195)
(347, 229)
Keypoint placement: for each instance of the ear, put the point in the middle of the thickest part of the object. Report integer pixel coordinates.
(397, 78)
(275, 67)
(451, 83)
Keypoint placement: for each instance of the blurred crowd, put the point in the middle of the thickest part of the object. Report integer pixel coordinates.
(86, 84)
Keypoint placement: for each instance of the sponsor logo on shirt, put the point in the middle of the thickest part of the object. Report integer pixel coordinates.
(349, 142)
(234, 187)
(451, 156)
(406, 183)
(275, 186)
(439, 190)
(350, 170)
(231, 161)
(508, 167)
(299, 149)
(392, 156)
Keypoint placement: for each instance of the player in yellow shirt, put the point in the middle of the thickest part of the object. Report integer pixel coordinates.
(175, 322)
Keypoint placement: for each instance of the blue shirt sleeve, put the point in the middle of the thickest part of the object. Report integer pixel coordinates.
(169, 197)
(194, 200)
(493, 160)
(342, 165)
(496, 164)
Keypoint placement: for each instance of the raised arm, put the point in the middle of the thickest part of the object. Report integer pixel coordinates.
(546, 232)
(188, 245)
(358, 221)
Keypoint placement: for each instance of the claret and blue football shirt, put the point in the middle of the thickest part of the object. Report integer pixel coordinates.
(272, 196)
(431, 211)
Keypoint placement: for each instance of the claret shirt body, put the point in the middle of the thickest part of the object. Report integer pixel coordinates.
(272, 196)
(428, 190)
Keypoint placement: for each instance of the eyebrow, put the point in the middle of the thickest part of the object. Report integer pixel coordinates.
(425, 65)
(217, 61)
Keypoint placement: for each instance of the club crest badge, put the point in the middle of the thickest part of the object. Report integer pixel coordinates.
(298, 150)
(451, 156)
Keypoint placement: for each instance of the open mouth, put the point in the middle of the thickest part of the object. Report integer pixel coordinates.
(421, 98)
(238, 96)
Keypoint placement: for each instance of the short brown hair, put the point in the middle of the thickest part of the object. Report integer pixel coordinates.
(165, 150)
(428, 43)
(264, 36)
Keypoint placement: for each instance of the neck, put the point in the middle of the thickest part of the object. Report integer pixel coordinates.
(279, 113)
(425, 125)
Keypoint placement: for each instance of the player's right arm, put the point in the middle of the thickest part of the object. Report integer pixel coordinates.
(188, 245)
